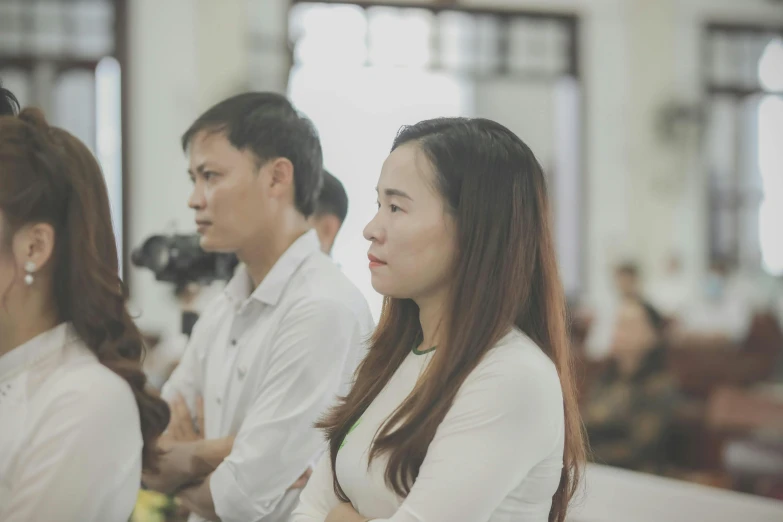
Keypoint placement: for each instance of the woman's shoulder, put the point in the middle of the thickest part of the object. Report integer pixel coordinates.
(516, 366)
(81, 382)
(517, 354)
(515, 387)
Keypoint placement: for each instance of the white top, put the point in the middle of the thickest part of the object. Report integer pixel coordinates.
(268, 364)
(70, 443)
(671, 294)
(497, 456)
(728, 316)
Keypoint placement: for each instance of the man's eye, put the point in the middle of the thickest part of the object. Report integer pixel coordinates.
(394, 208)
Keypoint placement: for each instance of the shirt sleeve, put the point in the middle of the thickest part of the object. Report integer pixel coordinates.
(317, 498)
(504, 421)
(82, 461)
(277, 440)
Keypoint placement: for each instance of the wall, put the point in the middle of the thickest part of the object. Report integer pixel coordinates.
(645, 199)
(636, 55)
(184, 56)
(605, 60)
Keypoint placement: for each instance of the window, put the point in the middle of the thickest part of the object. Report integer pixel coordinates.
(360, 82)
(57, 55)
(745, 166)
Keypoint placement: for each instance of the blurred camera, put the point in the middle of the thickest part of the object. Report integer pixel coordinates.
(179, 259)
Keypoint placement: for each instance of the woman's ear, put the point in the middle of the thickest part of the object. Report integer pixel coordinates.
(34, 245)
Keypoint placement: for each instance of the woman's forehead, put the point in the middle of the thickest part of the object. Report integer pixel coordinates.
(407, 169)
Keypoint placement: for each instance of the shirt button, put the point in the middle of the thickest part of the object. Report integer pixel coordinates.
(233, 342)
(241, 372)
(218, 400)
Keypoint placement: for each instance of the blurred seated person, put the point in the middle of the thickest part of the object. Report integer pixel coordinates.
(330, 211)
(721, 318)
(629, 316)
(630, 408)
(671, 293)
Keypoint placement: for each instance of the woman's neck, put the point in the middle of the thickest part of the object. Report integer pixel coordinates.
(17, 330)
(431, 315)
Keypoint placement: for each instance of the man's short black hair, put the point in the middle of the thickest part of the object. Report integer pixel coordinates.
(628, 268)
(268, 125)
(332, 199)
(9, 105)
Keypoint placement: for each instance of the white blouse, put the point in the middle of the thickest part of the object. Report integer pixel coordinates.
(497, 456)
(70, 437)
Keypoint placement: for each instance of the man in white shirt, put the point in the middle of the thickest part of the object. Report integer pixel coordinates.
(330, 211)
(267, 358)
(672, 292)
(721, 318)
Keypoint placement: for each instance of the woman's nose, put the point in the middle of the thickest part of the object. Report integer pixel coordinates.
(372, 232)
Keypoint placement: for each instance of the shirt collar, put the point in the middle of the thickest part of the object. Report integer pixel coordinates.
(37, 348)
(238, 290)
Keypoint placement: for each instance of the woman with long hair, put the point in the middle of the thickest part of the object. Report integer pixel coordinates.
(77, 422)
(464, 408)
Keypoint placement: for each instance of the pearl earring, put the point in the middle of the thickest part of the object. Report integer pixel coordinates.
(29, 268)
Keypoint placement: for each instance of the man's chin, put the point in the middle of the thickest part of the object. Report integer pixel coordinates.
(207, 244)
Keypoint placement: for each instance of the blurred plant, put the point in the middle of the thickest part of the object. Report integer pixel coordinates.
(152, 506)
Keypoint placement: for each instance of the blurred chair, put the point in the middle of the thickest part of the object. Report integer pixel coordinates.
(703, 421)
(616, 495)
(700, 370)
(749, 425)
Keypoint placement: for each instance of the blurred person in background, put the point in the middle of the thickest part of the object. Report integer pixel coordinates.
(272, 351)
(464, 409)
(671, 293)
(9, 105)
(331, 207)
(629, 318)
(754, 286)
(630, 408)
(637, 316)
(721, 318)
(77, 423)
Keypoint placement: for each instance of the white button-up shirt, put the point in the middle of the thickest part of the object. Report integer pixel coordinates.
(269, 363)
(70, 437)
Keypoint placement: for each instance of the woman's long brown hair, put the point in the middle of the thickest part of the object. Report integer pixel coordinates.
(504, 275)
(49, 176)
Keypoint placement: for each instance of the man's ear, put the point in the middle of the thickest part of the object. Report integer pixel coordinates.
(35, 244)
(331, 226)
(282, 172)
(327, 226)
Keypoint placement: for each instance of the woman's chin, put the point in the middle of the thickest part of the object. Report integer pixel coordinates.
(381, 286)
(387, 290)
